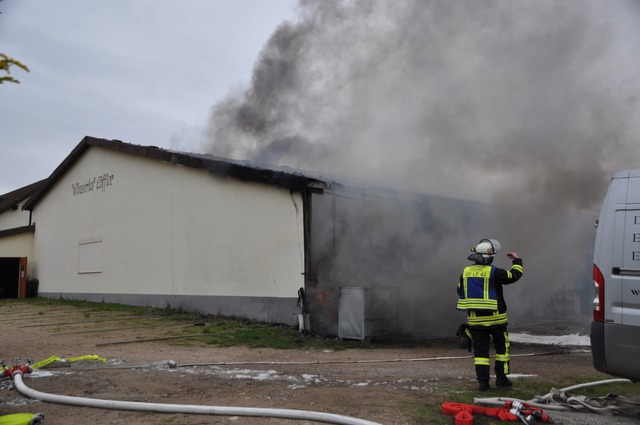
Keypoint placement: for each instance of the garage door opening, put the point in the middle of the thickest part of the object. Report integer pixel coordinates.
(13, 277)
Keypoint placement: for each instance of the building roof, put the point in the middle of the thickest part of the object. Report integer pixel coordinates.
(11, 200)
(218, 166)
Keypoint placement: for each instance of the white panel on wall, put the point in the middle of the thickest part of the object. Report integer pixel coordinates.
(90, 257)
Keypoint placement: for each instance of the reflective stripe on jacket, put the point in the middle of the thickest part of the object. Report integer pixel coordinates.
(493, 318)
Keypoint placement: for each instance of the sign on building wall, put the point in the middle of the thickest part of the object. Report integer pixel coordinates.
(98, 184)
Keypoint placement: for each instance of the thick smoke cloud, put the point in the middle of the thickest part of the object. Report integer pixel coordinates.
(465, 98)
(530, 106)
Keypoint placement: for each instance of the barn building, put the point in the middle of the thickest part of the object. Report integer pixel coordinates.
(140, 225)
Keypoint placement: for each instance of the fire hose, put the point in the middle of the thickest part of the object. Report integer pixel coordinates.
(17, 372)
(569, 403)
(17, 375)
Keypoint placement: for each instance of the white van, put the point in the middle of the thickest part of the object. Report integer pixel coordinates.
(615, 330)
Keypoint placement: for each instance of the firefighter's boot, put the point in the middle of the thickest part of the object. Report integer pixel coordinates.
(502, 381)
(483, 385)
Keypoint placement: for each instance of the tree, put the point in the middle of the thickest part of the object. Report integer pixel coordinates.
(5, 64)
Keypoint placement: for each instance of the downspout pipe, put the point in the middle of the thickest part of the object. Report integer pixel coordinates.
(185, 408)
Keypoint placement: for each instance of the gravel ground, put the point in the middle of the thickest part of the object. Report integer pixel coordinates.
(384, 385)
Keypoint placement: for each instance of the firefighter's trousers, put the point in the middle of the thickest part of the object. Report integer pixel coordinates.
(481, 344)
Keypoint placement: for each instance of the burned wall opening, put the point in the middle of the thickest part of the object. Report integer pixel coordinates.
(406, 252)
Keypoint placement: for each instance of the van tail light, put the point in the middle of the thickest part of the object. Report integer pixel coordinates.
(598, 301)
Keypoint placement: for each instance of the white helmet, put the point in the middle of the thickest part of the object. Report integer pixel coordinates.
(487, 247)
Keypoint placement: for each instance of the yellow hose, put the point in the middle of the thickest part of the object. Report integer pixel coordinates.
(22, 419)
(54, 358)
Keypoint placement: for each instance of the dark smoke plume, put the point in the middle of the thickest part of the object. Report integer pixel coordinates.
(529, 106)
(459, 97)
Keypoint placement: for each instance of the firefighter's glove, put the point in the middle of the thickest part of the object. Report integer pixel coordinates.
(464, 338)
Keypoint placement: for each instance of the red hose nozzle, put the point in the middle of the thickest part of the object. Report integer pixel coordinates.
(9, 372)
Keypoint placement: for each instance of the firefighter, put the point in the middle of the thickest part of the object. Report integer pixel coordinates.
(480, 295)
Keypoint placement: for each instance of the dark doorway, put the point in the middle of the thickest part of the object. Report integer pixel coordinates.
(9, 277)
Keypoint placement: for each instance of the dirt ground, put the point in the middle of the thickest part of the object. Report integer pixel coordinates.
(382, 385)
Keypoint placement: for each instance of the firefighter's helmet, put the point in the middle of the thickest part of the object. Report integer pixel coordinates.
(487, 247)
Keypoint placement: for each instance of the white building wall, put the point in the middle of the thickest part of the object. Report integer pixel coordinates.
(140, 226)
(19, 245)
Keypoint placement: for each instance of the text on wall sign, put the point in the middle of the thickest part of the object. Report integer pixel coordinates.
(98, 183)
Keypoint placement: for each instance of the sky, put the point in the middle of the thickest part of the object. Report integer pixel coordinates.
(145, 72)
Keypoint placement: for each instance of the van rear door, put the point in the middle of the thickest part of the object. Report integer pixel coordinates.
(609, 248)
(615, 330)
(629, 269)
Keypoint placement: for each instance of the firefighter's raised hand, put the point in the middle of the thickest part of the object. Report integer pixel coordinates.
(512, 255)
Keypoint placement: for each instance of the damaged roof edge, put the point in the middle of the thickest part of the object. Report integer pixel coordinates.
(214, 165)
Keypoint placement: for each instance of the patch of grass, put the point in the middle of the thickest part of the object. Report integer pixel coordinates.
(175, 314)
(228, 333)
(429, 414)
(225, 332)
(215, 330)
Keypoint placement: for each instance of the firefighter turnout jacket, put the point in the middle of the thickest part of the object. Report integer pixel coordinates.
(480, 291)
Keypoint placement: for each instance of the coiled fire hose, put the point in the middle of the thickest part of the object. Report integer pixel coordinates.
(547, 402)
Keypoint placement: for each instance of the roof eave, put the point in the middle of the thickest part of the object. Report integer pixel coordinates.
(216, 166)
